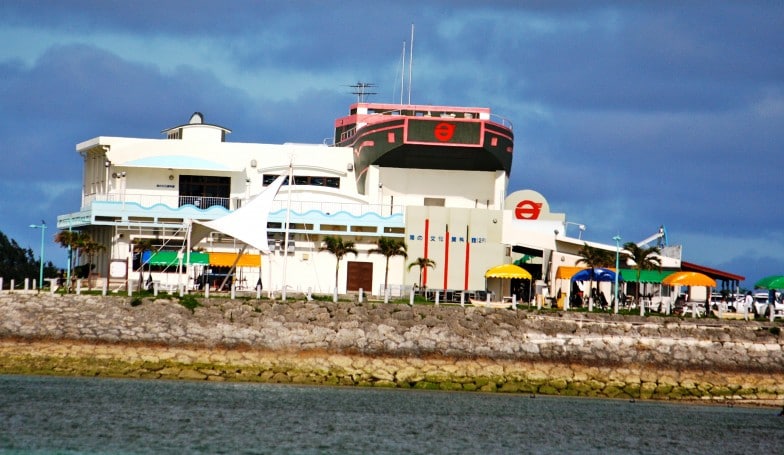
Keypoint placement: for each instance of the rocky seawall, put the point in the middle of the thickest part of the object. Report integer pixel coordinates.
(393, 345)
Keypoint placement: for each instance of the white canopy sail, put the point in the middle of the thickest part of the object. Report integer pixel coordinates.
(247, 224)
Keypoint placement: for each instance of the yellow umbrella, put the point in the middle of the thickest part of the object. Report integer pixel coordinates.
(689, 279)
(508, 271)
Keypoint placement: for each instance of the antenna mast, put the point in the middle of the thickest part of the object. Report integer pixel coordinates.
(361, 90)
(410, 62)
(402, 73)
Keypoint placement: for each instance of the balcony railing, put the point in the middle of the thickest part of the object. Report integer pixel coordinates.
(205, 202)
(174, 201)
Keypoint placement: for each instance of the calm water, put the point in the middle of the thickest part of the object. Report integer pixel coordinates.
(76, 415)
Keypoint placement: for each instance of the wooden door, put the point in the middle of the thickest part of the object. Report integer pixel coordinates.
(360, 275)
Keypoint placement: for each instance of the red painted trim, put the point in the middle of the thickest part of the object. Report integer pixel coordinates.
(467, 259)
(446, 257)
(427, 243)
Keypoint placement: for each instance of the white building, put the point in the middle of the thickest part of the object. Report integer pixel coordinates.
(434, 177)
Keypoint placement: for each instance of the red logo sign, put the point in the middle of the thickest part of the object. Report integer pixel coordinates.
(528, 210)
(444, 131)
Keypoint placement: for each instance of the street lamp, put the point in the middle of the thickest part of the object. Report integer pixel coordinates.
(617, 239)
(580, 226)
(42, 227)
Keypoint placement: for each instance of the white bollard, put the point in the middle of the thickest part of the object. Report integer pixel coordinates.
(514, 302)
(181, 289)
(27, 283)
(462, 298)
(411, 298)
(1, 284)
(386, 295)
(155, 289)
(438, 298)
(359, 297)
(693, 309)
(11, 289)
(233, 290)
(78, 287)
(35, 283)
(104, 286)
(130, 288)
(206, 291)
(258, 292)
(488, 298)
(335, 295)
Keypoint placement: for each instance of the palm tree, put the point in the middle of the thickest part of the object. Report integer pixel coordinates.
(389, 247)
(422, 263)
(644, 259)
(74, 241)
(336, 246)
(594, 257)
(90, 247)
(140, 245)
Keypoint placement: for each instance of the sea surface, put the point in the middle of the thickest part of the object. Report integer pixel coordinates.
(118, 416)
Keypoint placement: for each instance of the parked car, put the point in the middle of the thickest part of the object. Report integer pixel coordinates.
(762, 307)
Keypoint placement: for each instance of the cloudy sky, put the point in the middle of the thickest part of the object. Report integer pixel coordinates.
(627, 115)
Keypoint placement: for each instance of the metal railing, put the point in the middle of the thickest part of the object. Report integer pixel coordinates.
(203, 202)
(147, 200)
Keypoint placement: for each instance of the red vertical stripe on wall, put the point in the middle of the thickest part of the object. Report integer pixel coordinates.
(467, 261)
(446, 257)
(427, 239)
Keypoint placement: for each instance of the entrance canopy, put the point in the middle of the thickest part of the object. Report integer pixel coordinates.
(508, 271)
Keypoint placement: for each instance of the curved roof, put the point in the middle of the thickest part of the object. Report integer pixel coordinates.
(508, 271)
(689, 279)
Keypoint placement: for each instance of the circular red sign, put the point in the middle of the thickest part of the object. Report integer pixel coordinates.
(528, 210)
(444, 131)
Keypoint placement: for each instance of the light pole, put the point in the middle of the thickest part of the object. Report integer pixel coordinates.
(617, 239)
(580, 226)
(42, 227)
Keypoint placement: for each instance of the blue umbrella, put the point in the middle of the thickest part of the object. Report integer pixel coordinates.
(599, 274)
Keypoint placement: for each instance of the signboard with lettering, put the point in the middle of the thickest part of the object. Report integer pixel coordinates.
(444, 131)
(530, 205)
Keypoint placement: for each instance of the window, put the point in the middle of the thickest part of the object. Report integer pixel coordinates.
(331, 182)
(204, 191)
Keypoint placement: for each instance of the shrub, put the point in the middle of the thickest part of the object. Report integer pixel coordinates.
(189, 302)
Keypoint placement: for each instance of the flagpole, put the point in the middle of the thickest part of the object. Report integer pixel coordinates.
(286, 229)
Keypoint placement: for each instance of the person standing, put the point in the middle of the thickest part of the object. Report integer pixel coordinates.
(747, 304)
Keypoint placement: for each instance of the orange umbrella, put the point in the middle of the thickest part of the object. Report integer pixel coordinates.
(689, 279)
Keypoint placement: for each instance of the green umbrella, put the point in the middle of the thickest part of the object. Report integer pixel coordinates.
(771, 282)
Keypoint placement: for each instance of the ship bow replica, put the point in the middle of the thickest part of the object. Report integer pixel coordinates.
(425, 137)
